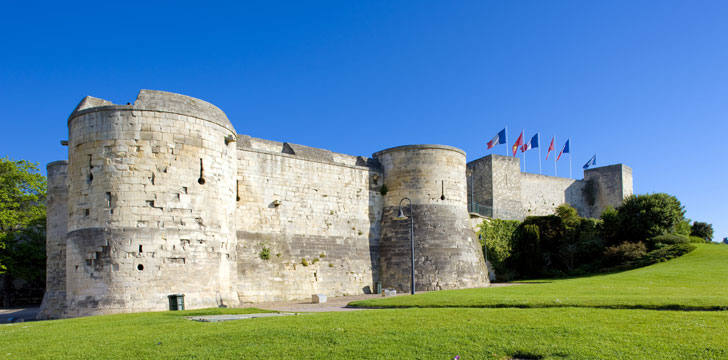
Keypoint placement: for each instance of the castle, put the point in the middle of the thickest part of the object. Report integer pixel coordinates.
(164, 197)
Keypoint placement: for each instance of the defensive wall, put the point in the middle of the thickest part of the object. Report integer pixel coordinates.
(498, 189)
(164, 197)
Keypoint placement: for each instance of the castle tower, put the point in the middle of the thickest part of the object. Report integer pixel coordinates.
(607, 186)
(56, 228)
(447, 253)
(151, 205)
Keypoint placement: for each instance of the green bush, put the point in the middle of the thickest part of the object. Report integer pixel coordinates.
(527, 254)
(624, 252)
(697, 240)
(667, 239)
(641, 217)
(496, 238)
(665, 253)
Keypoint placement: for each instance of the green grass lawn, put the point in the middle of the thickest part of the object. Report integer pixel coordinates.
(563, 332)
(696, 281)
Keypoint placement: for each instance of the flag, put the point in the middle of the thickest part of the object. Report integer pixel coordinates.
(592, 161)
(500, 138)
(551, 147)
(518, 143)
(565, 150)
(531, 144)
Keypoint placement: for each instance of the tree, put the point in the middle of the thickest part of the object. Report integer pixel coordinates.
(641, 217)
(22, 223)
(725, 240)
(703, 230)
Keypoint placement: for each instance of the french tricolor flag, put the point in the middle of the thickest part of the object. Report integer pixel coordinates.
(531, 144)
(499, 138)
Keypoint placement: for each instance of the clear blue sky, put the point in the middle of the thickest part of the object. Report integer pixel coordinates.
(644, 83)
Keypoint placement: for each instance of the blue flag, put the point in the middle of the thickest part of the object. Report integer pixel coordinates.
(591, 162)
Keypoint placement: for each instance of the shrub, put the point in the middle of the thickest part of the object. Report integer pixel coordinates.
(264, 253)
(641, 217)
(665, 253)
(667, 239)
(624, 252)
(697, 240)
(496, 238)
(527, 250)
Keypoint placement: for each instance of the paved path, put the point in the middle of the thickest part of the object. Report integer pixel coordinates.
(18, 314)
(333, 304)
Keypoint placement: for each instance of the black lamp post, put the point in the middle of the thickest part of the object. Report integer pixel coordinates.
(400, 216)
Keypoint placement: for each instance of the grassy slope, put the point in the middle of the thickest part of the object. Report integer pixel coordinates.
(378, 334)
(698, 280)
(550, 333)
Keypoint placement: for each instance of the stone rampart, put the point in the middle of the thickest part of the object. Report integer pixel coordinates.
(313, 213)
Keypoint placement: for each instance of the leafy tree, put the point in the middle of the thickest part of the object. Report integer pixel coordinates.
(725, 240)
(683, 228)
(641, 217)
(496, 237)
(22, 223)
(703, 230)
(527, 251)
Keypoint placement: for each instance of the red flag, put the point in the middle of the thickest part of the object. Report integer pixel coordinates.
(551, 147)
(518, 143)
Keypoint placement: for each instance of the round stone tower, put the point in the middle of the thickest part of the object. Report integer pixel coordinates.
(151, 204)
(447, 253)
(54, 299)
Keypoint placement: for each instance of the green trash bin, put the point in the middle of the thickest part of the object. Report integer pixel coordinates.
(377, 287)
(176, 302)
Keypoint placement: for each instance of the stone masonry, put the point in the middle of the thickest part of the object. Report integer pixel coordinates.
(164, 197)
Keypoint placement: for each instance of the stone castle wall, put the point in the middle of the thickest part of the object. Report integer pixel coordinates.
(502, 191)
(164, 197)
(316, 212)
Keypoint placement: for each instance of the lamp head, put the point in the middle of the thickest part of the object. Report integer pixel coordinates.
(400, 215)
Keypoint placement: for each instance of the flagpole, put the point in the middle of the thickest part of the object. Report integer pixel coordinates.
(539, 152)
(570, 154)
(556, 172)
(524, 153)
(506, 140)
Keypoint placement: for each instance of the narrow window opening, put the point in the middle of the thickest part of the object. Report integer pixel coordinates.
(87, 212)
(237, 190)
(90, 169)
(201, 180)
(140, 248)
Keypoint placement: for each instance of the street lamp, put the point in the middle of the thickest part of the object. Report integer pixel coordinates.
(400, 216)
